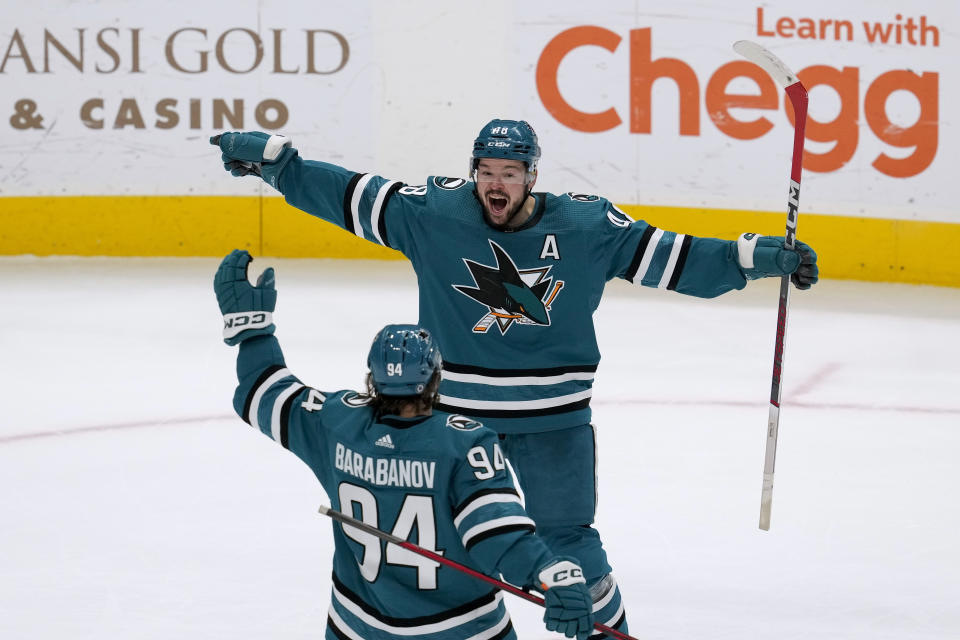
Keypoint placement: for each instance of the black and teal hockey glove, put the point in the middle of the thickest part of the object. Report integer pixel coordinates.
(247, 310)
(765, 256)
(567, 599)
(254, 152)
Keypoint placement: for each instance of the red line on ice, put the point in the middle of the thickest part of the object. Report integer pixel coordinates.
(826, 406)
(70, 431)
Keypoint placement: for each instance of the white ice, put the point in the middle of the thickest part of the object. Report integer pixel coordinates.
(135, 504)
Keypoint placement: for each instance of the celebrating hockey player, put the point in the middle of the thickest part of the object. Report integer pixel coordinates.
(509, 279)
(387, 458)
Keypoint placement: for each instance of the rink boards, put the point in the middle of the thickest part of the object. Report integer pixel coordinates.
(884, 250)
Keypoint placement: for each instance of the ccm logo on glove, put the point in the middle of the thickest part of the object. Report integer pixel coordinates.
(560, 576)
(560, 573)
(234, 323)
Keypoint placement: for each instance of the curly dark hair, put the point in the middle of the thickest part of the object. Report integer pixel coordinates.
(393, 405)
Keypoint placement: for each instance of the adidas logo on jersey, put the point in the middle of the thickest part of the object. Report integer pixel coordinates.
(385, 441)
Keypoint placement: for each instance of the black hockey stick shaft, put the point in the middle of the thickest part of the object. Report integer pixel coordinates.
(346, 520)
(797, 95)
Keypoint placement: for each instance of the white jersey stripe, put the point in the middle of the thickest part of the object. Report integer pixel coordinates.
(486, 634)
(483, 501)
(419, 630)
(258, 395)
(671, 261)
(278, 406)
(621, 212)
(343, 626)
(496, 523)
(517, 380)
(378, 210)
(516, 481)
(355, 203)
(518, 405)
(648, 257)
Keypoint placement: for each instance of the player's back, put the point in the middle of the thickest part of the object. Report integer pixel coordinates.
(408, 477)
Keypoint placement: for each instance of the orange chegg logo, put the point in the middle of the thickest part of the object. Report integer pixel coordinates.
(843, 130)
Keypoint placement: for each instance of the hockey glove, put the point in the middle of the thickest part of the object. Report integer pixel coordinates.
(247, 310)
(764, 256)
(568, 601)
(256, 153)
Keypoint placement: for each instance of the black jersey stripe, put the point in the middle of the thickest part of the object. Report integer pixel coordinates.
(504, 632)
(335, 630)
(442, 616)
(347, 199)
(454, 367)
(638, 254)
(341, 635)
(401, 423)
(382, 222)
(479, 494)
(541, 207)
(616, 625)
(515, 413)
(269, 371)
(681, 259)
(285, 417)
(480, 537)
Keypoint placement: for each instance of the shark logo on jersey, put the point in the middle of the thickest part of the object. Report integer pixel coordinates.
(462, 423)
(511, 295)
(354, 399)
(449, 183)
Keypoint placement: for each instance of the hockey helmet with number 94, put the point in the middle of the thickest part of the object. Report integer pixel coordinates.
(403, 359)
(508, 139)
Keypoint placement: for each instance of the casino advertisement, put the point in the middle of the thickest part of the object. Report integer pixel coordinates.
(645, 107)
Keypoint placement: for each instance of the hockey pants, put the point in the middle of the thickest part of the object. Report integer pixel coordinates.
(557, 475)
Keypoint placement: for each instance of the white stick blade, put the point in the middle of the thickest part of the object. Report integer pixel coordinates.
(766, 501)
(766, 60)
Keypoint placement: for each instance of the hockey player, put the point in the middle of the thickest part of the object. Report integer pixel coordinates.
(509, 279)
(387, 458)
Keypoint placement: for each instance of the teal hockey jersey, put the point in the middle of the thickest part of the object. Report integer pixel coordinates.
(512, 310)
(439, 481)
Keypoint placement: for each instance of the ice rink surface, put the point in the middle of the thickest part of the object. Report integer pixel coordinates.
(135, 504)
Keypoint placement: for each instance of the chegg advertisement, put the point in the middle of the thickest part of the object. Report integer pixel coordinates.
(842, 132)
(664, 103)
(105, 111)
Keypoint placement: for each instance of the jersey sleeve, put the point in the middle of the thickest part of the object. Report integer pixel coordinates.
(271, 399)
(490, 518)
(364, 204)
(651, 257)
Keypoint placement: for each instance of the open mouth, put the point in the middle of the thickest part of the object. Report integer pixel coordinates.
(498, 203)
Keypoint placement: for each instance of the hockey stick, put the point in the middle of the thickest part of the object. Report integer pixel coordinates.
(409, 546)
(798, 98)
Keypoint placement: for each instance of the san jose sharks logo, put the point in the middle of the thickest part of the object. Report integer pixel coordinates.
(511, 295)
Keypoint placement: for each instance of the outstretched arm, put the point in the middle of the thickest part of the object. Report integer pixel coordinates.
(356, 202)
(702, 267)
(716, 266)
